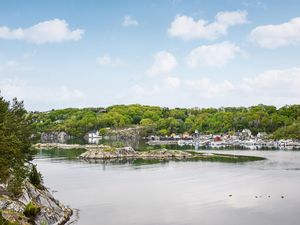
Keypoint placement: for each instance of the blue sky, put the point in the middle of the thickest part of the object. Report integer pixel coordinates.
(175, 53)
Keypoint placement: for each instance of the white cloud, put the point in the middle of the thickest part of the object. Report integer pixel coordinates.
(274, 83)
(128, 21)
(11, 63)
(50, 31)
(11, 88)
(187, 28)
(276, 87)
(254, 4)
(208, 88)
(212, 55)
(29, 54)
(12, 66)
(142, 91)
(164, 62)
(67, 94)
(273, 36)
(104, 60)
(107, 60)
(38, 97)
(172, 82)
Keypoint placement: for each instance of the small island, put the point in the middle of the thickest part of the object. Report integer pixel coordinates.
(108, 153)
(105, 152)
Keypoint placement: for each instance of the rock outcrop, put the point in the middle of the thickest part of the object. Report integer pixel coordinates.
(107, 152)
(132, 133)
(128, 153)
(57, 137)
(50, 212)
(66, 146)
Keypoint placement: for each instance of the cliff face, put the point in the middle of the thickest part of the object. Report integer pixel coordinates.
(57, 137)
(132, 133)
(50, 210)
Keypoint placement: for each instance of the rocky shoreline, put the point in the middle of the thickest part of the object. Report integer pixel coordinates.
(65, 146)
(50, 210)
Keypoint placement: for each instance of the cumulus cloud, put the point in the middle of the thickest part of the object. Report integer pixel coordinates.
(51, 31)
(276, 87)
(67, 94)
(164, 62)
(273, 36)
(140, 90)
(208, 88)
(104, 60)
(129, 21)
(275, 83)
(38, 97)
(187, 28)
(212, 55)
(11, 88)
(254, 4)
(172, 82)
(12, 66)
(107, 60)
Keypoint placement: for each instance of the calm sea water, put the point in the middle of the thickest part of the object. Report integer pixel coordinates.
(177, 193)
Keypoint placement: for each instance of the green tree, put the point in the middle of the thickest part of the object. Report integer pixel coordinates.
(35, 177)
(16, 136)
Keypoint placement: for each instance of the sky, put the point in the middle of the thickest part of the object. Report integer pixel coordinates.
(174, 53)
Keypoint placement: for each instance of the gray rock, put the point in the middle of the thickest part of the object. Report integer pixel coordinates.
(52, 211)
(55, 137)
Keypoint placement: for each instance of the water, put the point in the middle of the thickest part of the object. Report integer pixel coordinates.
(178, 193)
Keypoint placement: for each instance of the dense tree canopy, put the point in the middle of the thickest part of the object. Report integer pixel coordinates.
(15, 143)
(165, 121)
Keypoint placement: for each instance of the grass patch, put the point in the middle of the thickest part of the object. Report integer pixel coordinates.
(109, 149)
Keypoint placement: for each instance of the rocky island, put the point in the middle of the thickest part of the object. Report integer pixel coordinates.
(105, 152)
(108, 153)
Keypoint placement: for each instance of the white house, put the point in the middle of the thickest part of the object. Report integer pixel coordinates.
(94, 134)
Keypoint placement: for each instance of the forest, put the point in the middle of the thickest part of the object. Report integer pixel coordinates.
(278, 123)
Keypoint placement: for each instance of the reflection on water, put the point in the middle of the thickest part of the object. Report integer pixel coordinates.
(180, 193)
(59, 153)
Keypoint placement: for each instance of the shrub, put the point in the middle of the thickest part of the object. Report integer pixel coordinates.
(31, 210)
(15, 182)
(35, 177)
(118, 144)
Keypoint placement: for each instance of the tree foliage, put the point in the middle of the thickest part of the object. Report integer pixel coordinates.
(165, 121)
(35, 177)
(15, 142)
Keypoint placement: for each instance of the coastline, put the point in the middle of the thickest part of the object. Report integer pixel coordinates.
(50, 210)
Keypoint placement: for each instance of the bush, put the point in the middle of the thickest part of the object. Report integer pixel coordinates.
(15, 182)
(118, 144)
(31, 210)
(103, 131)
